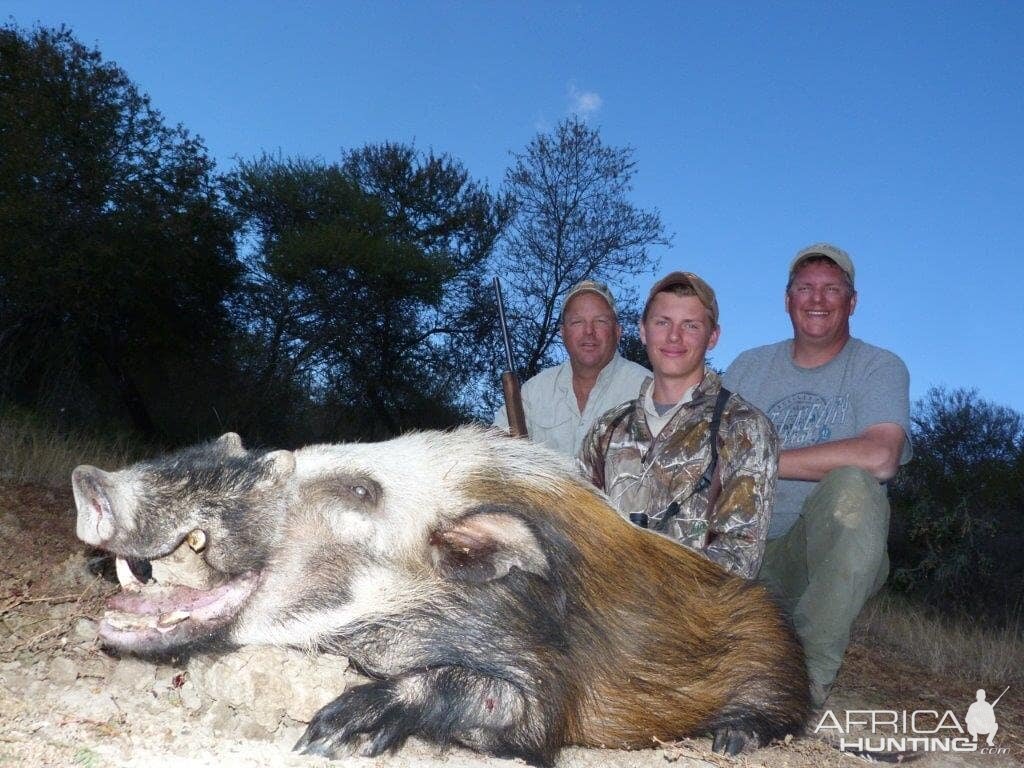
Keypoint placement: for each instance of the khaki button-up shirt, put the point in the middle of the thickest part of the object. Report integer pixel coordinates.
(553, 416)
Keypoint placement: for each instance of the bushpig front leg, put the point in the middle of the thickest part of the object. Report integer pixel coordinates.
(730, 740)
(444, 705)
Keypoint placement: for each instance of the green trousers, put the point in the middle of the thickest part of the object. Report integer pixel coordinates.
(829, 563)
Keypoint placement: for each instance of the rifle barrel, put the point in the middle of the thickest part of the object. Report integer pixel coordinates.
(504, 326)
(509, 381)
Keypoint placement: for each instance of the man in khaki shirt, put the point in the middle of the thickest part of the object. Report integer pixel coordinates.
(561, 403)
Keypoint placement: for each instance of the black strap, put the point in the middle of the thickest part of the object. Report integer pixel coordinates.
(716, 420)
(709, 474)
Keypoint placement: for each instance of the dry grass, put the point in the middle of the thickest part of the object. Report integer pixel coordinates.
(952, 648)
(34, 452)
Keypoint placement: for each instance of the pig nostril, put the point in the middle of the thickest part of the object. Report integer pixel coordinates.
(141, 569)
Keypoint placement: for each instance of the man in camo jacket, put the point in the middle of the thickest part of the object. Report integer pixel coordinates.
(652, 455)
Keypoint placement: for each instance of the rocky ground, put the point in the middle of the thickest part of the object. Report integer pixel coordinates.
(64, 702)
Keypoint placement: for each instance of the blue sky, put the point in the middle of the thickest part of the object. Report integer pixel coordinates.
(891, 129)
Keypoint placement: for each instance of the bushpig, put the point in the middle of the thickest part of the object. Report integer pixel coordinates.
(495, 599)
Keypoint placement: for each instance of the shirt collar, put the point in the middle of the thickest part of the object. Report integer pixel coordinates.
(565, 376)
(711, 382)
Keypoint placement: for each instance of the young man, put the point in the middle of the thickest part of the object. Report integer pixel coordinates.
(842, 411)
(561, 403)
(679, 458)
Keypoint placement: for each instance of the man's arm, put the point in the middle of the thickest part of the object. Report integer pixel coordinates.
(749, 469)
(876, 450)
(589, 460)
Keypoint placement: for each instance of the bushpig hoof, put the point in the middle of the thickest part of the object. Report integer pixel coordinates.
(370, 713)
(732, 741)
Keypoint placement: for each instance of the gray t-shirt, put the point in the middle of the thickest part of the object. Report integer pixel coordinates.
(861, 386)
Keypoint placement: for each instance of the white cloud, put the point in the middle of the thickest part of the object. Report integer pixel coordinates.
(583, 103)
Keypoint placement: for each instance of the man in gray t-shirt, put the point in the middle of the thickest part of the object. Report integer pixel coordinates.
(842, 411)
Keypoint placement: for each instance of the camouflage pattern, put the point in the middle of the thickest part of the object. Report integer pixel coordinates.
(641, 473)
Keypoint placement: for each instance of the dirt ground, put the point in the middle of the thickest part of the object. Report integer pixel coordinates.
(64, 702)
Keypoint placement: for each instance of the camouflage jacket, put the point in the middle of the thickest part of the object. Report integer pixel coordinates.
(641, 473)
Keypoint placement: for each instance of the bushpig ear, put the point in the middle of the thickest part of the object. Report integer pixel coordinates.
(231, 442)
(485, 544)
(280, 463)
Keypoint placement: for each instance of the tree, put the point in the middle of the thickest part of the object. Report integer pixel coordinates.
(117, 253)
(957, 506)
(365, 283)
(432, 203)
(572, 220)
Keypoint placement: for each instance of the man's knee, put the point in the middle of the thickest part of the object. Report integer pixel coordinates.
(851, 497)
(848, 521)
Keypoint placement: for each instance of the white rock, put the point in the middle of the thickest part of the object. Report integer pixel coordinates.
(85, 630)
(220, 718)
(190, 698)
(268, 683)
(96, 665)
(84, 705)
(132, 674)
(62, 671)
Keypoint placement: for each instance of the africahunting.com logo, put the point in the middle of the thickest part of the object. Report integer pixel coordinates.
(920, 730)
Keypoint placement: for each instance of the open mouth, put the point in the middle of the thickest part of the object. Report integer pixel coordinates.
(173, 601)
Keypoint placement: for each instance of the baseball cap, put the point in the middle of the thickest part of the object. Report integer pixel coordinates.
(591, 286)
(701, 290)
(838, 255)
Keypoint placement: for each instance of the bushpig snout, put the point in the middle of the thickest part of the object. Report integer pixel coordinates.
(96, 522)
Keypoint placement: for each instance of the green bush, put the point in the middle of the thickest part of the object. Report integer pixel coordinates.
(958, 507)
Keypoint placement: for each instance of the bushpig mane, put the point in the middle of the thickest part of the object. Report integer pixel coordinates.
(206, 470)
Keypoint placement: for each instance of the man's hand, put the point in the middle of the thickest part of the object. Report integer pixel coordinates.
(876, 450)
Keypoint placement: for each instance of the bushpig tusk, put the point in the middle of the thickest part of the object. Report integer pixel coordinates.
(125, 576)
(172, 618)
(197, 540)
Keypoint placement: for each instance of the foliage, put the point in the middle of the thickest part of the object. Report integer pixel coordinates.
(572, 220)
(365, 284)
(116, 254)
(958, 506)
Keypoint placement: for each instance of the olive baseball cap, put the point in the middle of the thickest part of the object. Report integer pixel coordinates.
(701, 290)
(591, 286)
(838, 255)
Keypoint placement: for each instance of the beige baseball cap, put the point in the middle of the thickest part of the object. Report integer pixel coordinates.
(838, 255)
(701, 290)
(591, 286)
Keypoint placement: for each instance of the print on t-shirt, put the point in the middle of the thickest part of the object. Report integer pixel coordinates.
(808, 419)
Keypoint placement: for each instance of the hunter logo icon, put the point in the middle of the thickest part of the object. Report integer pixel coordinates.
(981, 717)
(873, 732)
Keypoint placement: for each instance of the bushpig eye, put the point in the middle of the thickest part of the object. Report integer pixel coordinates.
(363, 490)
(350, 490)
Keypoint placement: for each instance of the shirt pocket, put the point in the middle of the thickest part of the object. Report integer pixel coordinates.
(555, 431)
